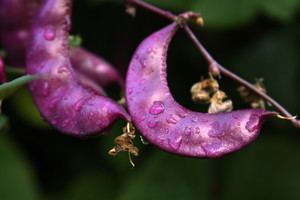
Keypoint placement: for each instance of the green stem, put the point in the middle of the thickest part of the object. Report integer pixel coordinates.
(9, 88)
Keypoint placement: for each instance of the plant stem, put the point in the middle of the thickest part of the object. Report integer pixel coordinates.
(211, 60)
(9, 88)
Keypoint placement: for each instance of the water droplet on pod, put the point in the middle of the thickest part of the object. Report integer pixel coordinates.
(157, 108)
(197, 130)
(45, 89)
(187, 131)
(49, 34)
(172, 120)
(194, 119)
(176, 143)
(78, 105)
(152, 123)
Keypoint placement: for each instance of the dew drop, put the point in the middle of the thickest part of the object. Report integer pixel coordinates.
(176, 143)
(91, 116)
(253, 124)
(62, 70)
(182, 113)
(197, 130)
(49, 34)
(172, 120)
(152, 123)
(150, 50)
(78, 105)
(130, 90)
(194, 119)
(187, 131)
(45, 89)
(157, 108)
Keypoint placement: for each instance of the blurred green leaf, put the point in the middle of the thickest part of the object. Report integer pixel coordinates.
(225, 13)
(9, 88)
(274, 57)
(281, 10)
(25, 108)
(3, 122)
(17, 181)
(104, 1)
(165, 176)
(230, 13)
(268, 169)
(178, 5)
(90, 186)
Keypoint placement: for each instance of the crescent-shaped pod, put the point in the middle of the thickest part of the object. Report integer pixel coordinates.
(170, 126)
(15, 25)
(62, 100)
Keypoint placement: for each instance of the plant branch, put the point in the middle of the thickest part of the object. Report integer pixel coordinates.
(211, 61)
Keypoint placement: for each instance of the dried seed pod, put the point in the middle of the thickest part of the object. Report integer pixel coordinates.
(203, 90)
(219, 104)
(61, 99)
(124, 142)
(168, 125)
(250, 97)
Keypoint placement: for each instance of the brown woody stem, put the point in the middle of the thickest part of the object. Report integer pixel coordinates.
(212, 61)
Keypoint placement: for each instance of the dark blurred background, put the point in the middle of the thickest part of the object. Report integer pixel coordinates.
(253, 38)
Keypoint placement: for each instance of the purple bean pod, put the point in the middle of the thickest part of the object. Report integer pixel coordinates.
(168, 125)
(15, 24)
(94, 67)
(2, 71)
(64, 102)
(15, 20)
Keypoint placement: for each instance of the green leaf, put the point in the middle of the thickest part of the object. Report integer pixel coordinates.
(25, 108)
(229, 13)
(104, 1)
(268, 169)
(177, 5)
(9, 88)
(90, 186)
(165, 176)
(275, 58)
(225, 13)
(17, 181)
(232, 13)
(281, 10)
(3, 122)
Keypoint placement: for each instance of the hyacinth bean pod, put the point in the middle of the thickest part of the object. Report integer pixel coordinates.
(61, 99)
(15, 20)
(168, 125)
(2, 71)
(94, 67)
(15, 24)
